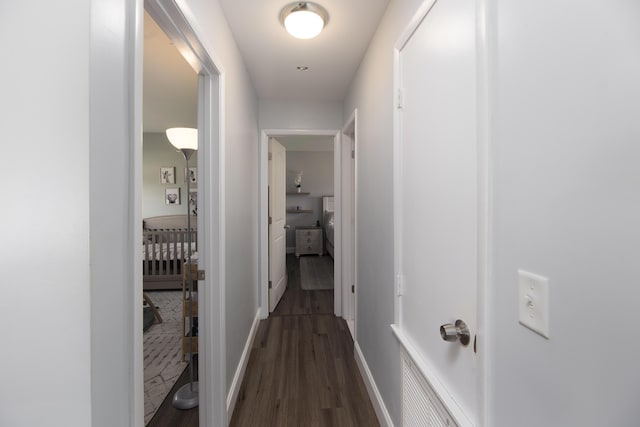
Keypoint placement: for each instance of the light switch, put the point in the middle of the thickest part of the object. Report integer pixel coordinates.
(533, 302)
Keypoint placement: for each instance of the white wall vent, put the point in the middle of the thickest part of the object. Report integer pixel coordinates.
(420, 406)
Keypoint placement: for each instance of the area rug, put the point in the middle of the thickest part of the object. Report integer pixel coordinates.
(316, 273)
(162, 350)
(148, 318)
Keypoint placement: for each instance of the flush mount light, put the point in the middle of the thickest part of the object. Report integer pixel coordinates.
(303, 68)
(304, 20)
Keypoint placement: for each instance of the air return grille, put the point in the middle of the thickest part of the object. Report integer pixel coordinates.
(420, 407)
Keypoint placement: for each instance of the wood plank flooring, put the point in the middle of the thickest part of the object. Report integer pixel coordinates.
(296, 301)
(301, 370)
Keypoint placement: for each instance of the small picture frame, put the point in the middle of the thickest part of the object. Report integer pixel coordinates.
(191, 174)
(172, 196)
(193, 201)
(168, 175)
(193, 197)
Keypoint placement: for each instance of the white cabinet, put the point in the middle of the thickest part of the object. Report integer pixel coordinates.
(309, 241)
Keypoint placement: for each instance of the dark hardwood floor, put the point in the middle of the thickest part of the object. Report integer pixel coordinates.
(301, 370)
(296, 301)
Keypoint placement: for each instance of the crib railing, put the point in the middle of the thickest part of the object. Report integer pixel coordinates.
(164, 252)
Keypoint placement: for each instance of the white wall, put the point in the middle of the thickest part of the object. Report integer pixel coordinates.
(44, 312)
(46, 216)
(325, 115)
(566, 205)
(564, 148)
(241, 159)
(317, 179)
(372, 93)
(158, 152)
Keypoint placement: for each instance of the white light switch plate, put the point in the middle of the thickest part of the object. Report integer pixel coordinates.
(533, 302)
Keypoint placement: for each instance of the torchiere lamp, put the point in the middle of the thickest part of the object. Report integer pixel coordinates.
(186, 140)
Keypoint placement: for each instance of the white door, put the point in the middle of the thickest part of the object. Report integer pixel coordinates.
(277, 215)
(348, 194)
(437, 208)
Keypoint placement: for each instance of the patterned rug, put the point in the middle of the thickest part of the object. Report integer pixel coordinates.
(316, 272)
(162, 351)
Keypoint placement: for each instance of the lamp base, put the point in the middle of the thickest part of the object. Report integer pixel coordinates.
(187, 396)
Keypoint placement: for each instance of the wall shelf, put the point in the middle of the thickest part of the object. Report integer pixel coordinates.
(299, 211)
(295, 193)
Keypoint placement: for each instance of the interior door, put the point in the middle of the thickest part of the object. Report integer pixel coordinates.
(277, 216)
(348, 176)
(438, 184)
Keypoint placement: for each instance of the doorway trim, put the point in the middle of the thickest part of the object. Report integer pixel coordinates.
(211, 171)
(263, 214)
(349, 188)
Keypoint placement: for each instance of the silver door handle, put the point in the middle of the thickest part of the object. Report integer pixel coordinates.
(459, 331)
(287, 227)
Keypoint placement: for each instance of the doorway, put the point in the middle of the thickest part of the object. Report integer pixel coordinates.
(169, 97)
(349, 227)
(210, 218)
(338, 189)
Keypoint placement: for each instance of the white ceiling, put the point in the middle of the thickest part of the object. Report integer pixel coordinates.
(270, 54)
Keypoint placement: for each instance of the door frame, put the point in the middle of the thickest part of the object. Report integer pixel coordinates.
(484, 58)
(263, 214)
(211, 172)
(349, 187)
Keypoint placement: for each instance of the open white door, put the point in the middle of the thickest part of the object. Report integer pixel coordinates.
(348, 209)
(277, 218)
(437, 206)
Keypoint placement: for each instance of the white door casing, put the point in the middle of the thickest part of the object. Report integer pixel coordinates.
(265, 136)
(437, 202)
(278, 217)
(348, 190)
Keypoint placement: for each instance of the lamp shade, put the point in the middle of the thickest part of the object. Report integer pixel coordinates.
(183, 138)
(304, 20)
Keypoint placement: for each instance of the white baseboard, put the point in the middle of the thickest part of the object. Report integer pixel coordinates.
(374, 394)
(291, 250)
(232, 397)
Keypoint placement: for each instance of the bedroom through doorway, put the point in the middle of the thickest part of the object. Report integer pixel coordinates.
(304, 210)
(170, 237)
(205, 172)
(309, 223)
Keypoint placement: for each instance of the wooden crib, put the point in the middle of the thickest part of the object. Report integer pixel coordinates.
(164, 249)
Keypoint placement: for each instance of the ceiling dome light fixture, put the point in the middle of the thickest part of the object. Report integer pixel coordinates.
(304, 20)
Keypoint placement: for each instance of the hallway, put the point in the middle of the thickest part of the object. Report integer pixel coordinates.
(301, 370)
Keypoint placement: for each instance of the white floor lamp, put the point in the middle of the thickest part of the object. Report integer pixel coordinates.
(186, 140)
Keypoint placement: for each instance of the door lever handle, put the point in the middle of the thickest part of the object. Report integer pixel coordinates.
(287, 227)
(456, 332)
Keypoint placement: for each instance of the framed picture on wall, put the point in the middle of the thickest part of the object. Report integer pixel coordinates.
(193, 197)
(191, 174)
(168, 175)
(172, 196)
